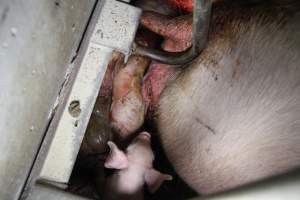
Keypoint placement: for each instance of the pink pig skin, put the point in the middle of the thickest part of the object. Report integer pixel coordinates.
(133, 169)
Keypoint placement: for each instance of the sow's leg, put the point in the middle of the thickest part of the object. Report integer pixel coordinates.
(233, 116)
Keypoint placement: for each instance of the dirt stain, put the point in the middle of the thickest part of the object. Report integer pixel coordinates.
(205, 125)
(236, 73)
(4, 14)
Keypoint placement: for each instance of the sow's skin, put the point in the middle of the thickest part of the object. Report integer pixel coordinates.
(133, 169)
(233, 116)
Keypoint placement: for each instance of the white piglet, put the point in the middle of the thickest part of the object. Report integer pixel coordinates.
(133, 169)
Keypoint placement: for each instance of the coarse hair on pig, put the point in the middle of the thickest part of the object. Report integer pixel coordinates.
(233, 116)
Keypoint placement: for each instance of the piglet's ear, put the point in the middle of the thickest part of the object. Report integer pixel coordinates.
(116, 158)
(154, 179)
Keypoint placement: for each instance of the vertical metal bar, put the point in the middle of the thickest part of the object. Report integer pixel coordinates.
(201, 20)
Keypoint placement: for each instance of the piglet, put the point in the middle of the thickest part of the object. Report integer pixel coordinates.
(133, 169)
(127, 108)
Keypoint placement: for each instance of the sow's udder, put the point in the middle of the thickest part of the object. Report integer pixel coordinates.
(232, 117)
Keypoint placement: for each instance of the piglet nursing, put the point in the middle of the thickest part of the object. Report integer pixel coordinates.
(133, 169)
(128, 108)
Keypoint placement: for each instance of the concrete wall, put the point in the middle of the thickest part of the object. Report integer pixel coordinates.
(38, 39)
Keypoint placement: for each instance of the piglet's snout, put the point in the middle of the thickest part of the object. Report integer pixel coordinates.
(144, 136)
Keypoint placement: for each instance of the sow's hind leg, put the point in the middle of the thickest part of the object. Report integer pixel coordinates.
(233, 116)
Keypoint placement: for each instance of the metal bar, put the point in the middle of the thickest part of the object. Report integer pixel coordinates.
(47, 192)
(112, 27)
(201, 19)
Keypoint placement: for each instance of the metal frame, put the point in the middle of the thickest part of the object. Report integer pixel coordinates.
(112, 27)
(201, 20)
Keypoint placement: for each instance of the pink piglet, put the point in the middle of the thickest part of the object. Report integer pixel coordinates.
(133, 169)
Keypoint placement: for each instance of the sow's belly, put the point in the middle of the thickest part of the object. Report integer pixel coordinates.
(233, 116)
